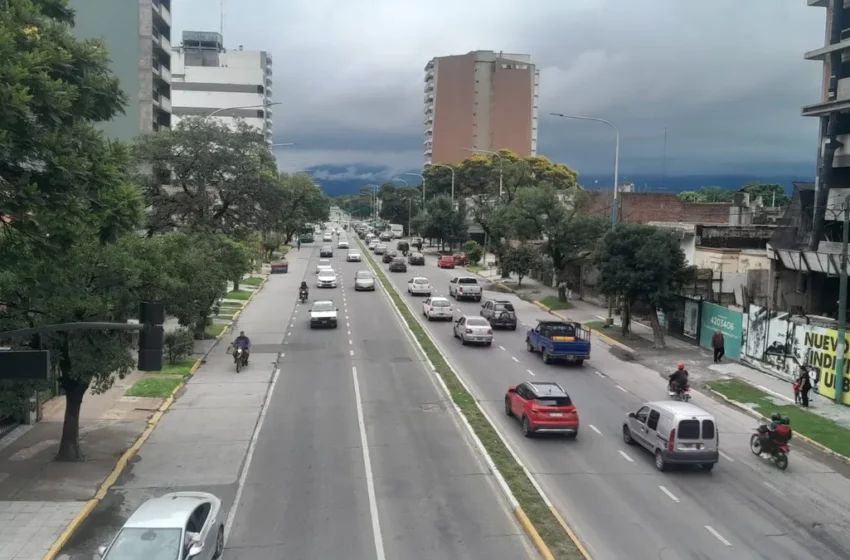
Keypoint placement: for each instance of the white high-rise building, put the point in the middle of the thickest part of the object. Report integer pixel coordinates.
(206, 78)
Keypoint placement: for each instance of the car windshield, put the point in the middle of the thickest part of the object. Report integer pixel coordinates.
(477, 322)
(364, 275)
(467, 281)
(322, 306)
(440, 303)
(146, 544)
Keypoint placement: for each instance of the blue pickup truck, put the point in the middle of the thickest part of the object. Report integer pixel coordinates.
(559, 341)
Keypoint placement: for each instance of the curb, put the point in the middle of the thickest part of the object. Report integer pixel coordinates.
(600, 334)
(757, 415)
(518, 511)
(124, 460)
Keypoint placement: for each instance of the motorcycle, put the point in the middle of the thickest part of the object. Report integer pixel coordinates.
(302, 295)
(683, 395)
(779, 456)
(241, 359)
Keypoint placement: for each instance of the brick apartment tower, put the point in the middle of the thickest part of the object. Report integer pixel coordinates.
(482, 100)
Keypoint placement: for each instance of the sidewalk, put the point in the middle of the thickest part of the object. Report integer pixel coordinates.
(40, 497)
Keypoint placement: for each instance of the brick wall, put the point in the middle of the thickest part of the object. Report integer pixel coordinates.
(658, 207)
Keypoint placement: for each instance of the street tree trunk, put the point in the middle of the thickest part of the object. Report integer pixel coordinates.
(236, 284)
(626, 316)
(69, 444)
(657, 330)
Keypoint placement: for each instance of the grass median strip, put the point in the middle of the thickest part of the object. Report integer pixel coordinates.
(815, 427)
(554, 304)
(253, 281)
(559, 543)
(183, 367)
(216, 329)
(154, 387)
(239, 294)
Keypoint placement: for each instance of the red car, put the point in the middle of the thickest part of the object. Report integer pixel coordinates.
(446, 261)
(460, 259)
(542, 407)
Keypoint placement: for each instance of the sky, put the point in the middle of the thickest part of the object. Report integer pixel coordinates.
(726, 78)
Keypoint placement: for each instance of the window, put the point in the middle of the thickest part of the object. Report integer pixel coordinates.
(467, 281)
(504, 307)
(477, 322)
(688, 429)
(654, 416)
(554, 401)
(708, 429)
(641, 414)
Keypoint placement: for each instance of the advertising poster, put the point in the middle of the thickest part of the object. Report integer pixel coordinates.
(820, 346)
(728, 322)
(691, 319)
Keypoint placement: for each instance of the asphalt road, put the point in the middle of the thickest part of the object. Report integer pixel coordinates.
(331, 444)
(612, 495)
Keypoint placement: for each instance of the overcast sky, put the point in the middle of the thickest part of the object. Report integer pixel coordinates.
(726, 77)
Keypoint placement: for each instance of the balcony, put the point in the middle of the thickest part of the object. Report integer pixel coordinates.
(162, 12)
(269, 81)
(841, 102)
(430, 65)
(429, 76)
(427, 153)
(429, 131)
(429, 86)
(161, 71)
(429, 98)
(823, 53)
(429, 109)
(818, 3)
(161, 101)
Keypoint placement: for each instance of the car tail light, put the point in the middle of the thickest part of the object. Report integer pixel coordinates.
(671, 443)
(431, 308)
(489, 331)
(468, 331)
(461, 290)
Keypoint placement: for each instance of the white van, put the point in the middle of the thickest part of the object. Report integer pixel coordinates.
(677, 433)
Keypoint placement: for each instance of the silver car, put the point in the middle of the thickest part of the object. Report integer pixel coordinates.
(364, 281)
(353, 256)
(179, 525)
(380, 249)
(323, 263)
(471, 329)
(326, 279)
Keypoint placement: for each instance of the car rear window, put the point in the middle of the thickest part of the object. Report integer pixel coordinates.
(708, 429)
(440, 304)
(504, 307)
(420, 280)
(363, 275)
(688, 429)
(467, 281)
(323, 306)
(554, 401)
(477, 322)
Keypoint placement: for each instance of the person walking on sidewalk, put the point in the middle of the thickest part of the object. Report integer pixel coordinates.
(805, 383)
(719, 345)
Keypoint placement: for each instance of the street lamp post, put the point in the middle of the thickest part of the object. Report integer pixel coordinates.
(452, 169)
(423, 186)
(492, 153)
(374, 200)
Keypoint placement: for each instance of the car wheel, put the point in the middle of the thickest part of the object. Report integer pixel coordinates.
(526, 428)
(707, 466)
(462, 340)
(660, 464)
(546, 358)
(528, 346)
(508, 410)
(580, 362)
(429, 317)
(572, 435)
(627, 436)
(513, 327)
(488, 344)
(219, 543)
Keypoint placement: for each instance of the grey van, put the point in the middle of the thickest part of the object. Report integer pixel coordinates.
(677, 433)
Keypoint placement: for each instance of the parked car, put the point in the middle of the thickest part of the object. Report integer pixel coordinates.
(175, 525)
(323, 313)
(446, 261)
(327, 278)
(416, 259)
(437, 308)
(499, 313)
(675, 433)
(326, 251)
(380, 249)
(542, 407)
(473, 330)
(398, 265)
(460, 259)
(389, 256)
(323, 263)
(364, 281)
(559, 340)
(418, 286)
(465, 287)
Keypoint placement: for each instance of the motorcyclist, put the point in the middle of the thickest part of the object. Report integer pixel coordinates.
(244, 343)
(768, 435)
(303, 290)
(678, 379)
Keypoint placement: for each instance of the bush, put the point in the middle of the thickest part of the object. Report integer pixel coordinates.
(179, 344)
(474, 251)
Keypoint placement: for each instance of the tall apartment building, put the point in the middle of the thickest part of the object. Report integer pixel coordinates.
(232, 84)
(137, 34)
(481, 100)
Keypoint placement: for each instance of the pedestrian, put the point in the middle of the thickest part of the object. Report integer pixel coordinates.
(719, 345)
(796, 387)
(299, 243)
(805, 383)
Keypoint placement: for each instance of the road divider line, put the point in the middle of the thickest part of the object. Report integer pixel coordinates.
(530, 372)
(625, 456)
(514, 359)
(725, 456)
(595, 429)
(367, 465)
(717, 535)
(503, 348)
(600, 374)
(669, 494)
(623, 390)
(249, 456)
(351, 352)
(467, 406)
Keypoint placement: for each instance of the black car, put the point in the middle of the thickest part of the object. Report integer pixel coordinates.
(398, 265)
(326, 251)
(389, 256)
(417, 259)
(499, 313)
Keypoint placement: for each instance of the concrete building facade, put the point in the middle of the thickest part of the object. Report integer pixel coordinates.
(137, 34)
(208, 78)
(481, 100)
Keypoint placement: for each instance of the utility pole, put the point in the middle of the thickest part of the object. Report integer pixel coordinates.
(841, 347)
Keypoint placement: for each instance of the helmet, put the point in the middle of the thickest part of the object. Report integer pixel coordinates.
(241, 333)
(776, 417)
(680, 366)
(785, 420)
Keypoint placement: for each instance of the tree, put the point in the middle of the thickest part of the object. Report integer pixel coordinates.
(399, 205)
(521, 260)
(474, 251)
(299, 202)
(707, 194)
(204, 177)
(641, 263)
(54, 162)
(236, 259)
(772, 195)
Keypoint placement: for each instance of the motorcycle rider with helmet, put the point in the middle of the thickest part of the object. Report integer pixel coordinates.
(778, 431)
(244, 343)
(303, 290)
(678, 379)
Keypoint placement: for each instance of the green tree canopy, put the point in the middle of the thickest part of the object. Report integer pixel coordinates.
(772, 195)
(708, 194)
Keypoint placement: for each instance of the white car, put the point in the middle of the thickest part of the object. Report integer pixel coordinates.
(326, 279)
(437, 308)
(342, 244)
(380, 249)
(372, 245)
(176, 525)
(419, 286)
(323, 314)
(323, 264)
(354, 256)
(473, 330)
(327, 237)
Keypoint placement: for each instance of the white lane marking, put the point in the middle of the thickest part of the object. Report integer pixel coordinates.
(601, 317)
(503, 348)
(530, 372)
(349, 333)
(351, 352)
(526, 325)
(625, 456)
(347, 324)
(599, 373)
(228, 524)
(669, 494)
(289, 333)
(774, 393)
(717, 535)
(367, 465)
(595, 429)
(727, 457)
(771, 486)
(350, 343)
(620, 388)
(514, 359)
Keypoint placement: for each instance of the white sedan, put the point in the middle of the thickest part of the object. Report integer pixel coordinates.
(354, 256)
(372, 245)
(327, 278)
(342, 244)
(437, 308)
(324, 264)
(419, 286)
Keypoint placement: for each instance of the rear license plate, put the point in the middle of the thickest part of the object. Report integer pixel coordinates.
(556, 414)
